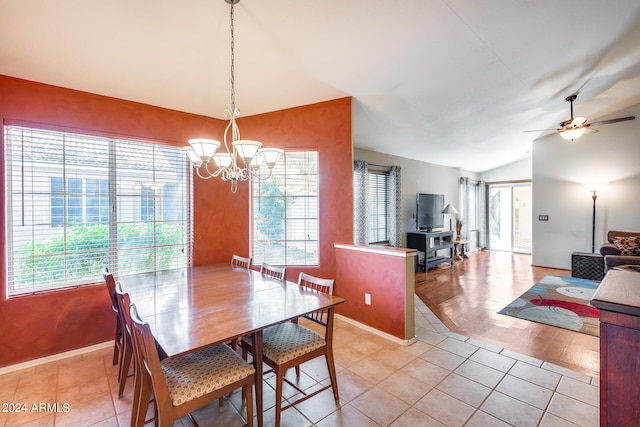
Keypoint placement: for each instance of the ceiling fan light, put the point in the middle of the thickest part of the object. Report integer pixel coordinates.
(578, 121)
(571, 134)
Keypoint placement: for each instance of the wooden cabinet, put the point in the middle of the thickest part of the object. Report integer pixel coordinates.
(618, 299)
(433, 248)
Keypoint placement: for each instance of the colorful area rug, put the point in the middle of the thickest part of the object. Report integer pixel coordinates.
(561, 302)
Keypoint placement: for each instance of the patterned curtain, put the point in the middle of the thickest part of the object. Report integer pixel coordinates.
(463, 212)
(482, 215)
(360, 205)
(395, 207)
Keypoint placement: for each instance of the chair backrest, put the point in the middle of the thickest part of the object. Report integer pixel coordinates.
(238, 261)
(124, 305)
(111, 287)
(318, 285)
(277, 273)
(148, 361)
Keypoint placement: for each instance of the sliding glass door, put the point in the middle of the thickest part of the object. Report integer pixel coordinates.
(510, 217)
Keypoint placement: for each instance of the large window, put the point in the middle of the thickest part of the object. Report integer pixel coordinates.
(285, 212)
(378, 201)
(77, 203)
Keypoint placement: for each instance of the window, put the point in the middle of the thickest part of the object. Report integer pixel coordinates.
(378, 201)
(77, 203)
(285, 212)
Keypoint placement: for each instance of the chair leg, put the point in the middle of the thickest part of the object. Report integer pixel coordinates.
(279, 380)
(332, 374)
(297, 370)
(117, 343)
(247, 395)
(125, 364)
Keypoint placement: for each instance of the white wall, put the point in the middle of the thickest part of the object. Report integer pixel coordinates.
(559, 170)
(517, 171)
(418, 177)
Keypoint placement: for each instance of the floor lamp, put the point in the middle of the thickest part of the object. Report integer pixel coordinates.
(593, 188)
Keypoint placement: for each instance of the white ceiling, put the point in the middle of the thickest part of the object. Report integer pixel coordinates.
(452, 82)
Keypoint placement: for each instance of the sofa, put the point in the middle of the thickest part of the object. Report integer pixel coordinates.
(622, 247)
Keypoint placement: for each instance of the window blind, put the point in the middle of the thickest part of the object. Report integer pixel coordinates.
(285, 212)
(378, 200)
(78, 203)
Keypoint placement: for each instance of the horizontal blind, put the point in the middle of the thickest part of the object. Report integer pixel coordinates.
(78, 203)
(285, 212)
(378, 207)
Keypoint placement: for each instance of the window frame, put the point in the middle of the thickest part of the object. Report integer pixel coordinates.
(374, 206)
(27, 146)
(309, 222)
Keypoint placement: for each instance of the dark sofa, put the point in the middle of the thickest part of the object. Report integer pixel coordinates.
(622, 247)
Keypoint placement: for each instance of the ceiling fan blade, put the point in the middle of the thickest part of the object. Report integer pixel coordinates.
(540, 130)
(619, 119)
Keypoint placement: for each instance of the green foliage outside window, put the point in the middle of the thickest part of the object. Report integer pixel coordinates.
(85, 251)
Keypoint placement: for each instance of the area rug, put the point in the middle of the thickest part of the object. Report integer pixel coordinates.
(561, 302)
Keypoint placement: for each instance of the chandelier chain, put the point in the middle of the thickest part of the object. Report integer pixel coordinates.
(233, 86)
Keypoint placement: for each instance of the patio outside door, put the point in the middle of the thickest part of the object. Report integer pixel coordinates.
(510, 217)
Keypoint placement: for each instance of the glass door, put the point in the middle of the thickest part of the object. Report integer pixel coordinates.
(509, 219)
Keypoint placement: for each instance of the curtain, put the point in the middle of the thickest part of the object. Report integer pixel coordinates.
(482, 215)
(395, 207)
(360, 205)
(463, 214)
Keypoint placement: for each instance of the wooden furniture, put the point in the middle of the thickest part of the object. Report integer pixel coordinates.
(633, 268)
(118, 340)
(239, 261)
(618, 299)
(278, 273)
(287, 345)
(186, 383)
(459, 249)
(587, 265)
(192, 308)
(127, 343)
(430, 247)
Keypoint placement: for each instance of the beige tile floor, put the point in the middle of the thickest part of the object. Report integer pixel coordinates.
(444, 379)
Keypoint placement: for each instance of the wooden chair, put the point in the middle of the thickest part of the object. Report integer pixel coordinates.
(272, 271)
(127, 343)
(289, 344)
(119, 338)
(238, 261)
(185, 383)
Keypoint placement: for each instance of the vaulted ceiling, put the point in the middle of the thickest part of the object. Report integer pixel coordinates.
(452, 82)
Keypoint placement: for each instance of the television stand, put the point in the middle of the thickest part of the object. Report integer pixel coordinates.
(430, 247)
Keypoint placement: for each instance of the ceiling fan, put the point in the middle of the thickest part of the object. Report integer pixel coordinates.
(575, 127)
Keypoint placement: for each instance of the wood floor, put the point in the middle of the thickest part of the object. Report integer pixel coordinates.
(468, 296)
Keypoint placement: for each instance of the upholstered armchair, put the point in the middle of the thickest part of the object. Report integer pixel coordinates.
(622, 247)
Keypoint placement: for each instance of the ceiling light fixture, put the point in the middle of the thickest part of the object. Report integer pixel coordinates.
(255, 158)
(573, 133)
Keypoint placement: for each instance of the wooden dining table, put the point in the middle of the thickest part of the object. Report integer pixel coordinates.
(191, 308)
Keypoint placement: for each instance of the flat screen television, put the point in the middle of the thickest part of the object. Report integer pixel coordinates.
(429, 211)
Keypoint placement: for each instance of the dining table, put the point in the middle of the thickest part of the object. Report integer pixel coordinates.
(195, 307)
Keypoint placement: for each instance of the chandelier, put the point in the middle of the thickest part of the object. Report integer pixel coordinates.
(258, 162)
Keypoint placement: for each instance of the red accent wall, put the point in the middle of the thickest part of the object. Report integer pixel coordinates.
(46, 324)
(383, 277)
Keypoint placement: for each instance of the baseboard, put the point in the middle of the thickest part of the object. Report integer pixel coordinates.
(55, 357)
(375, 331)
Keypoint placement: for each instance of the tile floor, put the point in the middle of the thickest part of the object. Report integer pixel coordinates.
(444, 379)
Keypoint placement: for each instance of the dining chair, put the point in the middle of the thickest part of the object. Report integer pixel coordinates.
(183, 384)
(127, 343)
(289, 344)
(119, 338)
(272, 271)
(238, 261)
